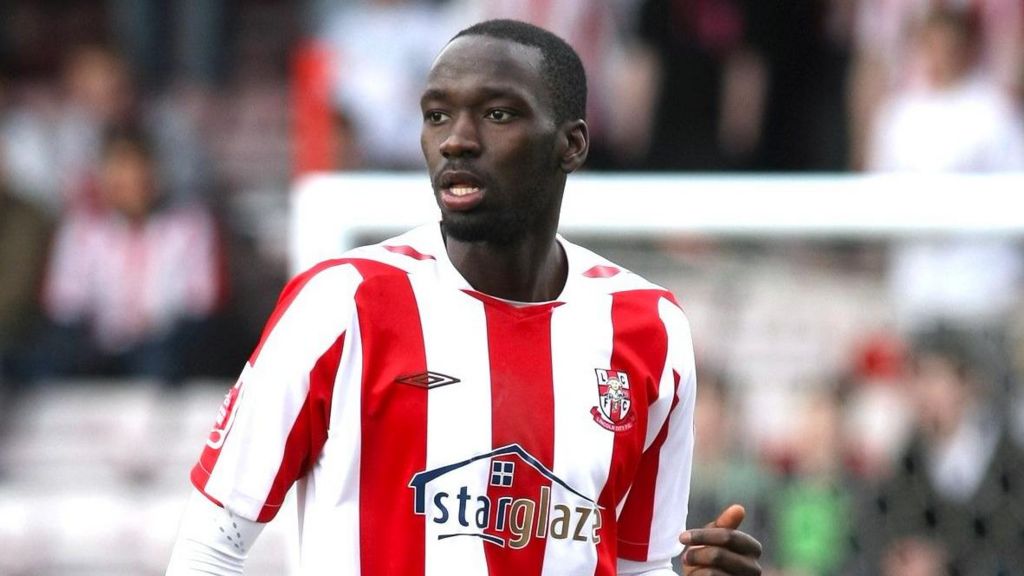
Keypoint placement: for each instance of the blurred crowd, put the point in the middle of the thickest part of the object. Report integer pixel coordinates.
(146, 146)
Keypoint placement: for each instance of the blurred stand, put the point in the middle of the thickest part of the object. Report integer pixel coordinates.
(380, 51)
(618, 67)
(53, 139)
(176, 41)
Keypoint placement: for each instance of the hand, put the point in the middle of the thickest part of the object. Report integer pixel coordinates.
(720, 549)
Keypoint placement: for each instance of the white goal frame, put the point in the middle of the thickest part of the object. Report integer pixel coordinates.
(331, 212)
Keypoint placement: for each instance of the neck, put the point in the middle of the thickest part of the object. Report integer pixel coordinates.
(531, 270)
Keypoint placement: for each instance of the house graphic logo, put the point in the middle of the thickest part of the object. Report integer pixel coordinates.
(524, 501)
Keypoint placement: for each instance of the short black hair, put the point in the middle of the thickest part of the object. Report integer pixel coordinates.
(562, 69)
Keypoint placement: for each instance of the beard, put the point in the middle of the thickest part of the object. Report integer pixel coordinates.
(498, 228)
(502, 225)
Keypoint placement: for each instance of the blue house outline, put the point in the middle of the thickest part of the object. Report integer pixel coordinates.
(421, 479)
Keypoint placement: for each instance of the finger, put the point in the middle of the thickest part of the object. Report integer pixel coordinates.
(731, 517)
(721, 558)
(729, 539)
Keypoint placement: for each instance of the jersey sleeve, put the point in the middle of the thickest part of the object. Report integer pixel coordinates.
(654, 512)
(274, 420)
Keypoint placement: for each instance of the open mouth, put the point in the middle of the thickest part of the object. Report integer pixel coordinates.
(461, 191)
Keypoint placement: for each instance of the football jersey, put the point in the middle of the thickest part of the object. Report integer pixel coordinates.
(433, 429)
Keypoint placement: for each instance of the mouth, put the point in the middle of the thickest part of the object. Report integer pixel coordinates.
(460, 190)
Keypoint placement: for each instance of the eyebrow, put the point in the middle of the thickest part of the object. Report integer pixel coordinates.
(487, 93)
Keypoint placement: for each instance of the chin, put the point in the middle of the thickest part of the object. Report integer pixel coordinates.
(499, 231)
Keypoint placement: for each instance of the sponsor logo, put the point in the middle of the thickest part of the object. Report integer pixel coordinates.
(614, 401)
(428, 380)
(225, 416)
(506, 515)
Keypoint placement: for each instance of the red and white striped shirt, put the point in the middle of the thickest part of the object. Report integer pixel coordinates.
(432, 429)
(134, 282)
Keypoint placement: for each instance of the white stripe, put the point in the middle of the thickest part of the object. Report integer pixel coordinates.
(583, 449)
(329, 499)
(458, 420)
(658, 410)
(672, 487)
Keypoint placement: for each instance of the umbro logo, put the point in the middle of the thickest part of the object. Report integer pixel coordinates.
(428, 380)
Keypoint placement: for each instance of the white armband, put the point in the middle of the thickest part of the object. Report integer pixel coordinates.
(211, 540)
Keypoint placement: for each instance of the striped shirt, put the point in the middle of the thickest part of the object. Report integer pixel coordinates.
(432, 429)
(134, 282)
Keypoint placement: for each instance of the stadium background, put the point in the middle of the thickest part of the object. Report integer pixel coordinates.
(803, 332)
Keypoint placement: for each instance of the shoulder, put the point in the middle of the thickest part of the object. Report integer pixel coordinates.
(394, 258)
(637, 304)
(595, 274)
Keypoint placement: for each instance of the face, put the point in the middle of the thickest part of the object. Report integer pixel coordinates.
(128, 185)
(944, 53)
(497, 158)
(940, 395)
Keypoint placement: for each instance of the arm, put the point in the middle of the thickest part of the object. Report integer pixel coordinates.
(654, 512)
(271, 426)
(662, 486)
(211, 540)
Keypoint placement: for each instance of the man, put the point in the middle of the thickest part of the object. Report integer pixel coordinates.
(438, 397)
(952, 503)
(131, 280)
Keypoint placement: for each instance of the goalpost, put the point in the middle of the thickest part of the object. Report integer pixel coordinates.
(332, 212)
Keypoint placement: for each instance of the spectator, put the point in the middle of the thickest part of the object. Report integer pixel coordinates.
(884, 61)
(955, 494)
(810, 510)
(132, 283)
(710, 84)
(803, 47)
(958, 119)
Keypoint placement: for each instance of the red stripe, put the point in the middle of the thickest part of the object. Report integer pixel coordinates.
(635, 520)
(394, 428)
(309, 431)
(409, 251)
(601, 271)
(639, 348)
(522, 412)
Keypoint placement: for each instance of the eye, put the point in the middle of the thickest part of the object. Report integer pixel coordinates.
(433, 117)
(500, 115)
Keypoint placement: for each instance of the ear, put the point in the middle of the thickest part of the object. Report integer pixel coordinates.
(576, 145)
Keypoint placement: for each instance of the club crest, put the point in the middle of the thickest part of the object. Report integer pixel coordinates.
(614, 401)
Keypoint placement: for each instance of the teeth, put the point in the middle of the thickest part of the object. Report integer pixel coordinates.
(462, 190)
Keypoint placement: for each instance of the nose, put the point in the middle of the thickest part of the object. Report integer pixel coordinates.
(462, 140)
